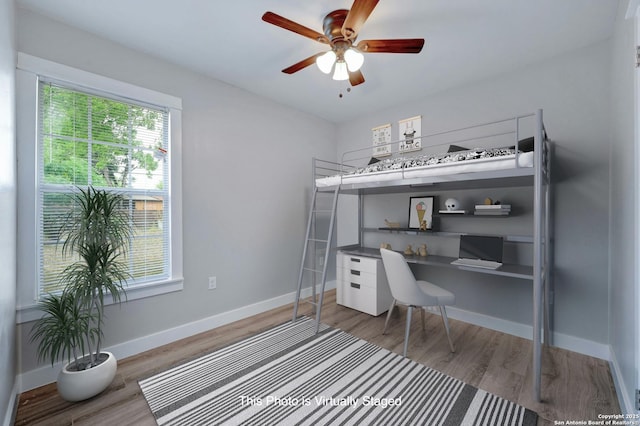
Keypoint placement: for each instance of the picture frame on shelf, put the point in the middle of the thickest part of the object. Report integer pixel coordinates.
(421, 209)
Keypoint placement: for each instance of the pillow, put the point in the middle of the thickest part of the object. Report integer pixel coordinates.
(373, 160)
(524, 145)
(456, 148)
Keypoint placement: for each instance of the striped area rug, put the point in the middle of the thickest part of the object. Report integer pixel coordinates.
(289, 375)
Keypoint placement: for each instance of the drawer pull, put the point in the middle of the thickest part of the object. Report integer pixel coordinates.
(355, 259)
(354, 285)
(354, 272)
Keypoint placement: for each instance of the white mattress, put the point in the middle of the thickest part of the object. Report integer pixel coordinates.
(525, 159)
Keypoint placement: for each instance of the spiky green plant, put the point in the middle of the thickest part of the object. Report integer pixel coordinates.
(98, 231)
(62, 330)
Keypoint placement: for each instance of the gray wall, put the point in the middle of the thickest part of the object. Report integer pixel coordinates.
(623, 322)
(7, 210)
(239, 151)
(573, 90)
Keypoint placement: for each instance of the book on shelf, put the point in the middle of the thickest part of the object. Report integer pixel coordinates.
(493, 206)
(492, 212)
(452, 211)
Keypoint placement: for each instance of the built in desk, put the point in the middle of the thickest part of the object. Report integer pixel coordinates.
(508, 270)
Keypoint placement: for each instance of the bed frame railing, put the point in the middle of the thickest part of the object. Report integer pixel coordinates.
(507, 132)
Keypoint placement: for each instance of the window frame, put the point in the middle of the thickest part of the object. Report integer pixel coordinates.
(29, 70)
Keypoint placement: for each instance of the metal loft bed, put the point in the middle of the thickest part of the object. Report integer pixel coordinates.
(510, 164)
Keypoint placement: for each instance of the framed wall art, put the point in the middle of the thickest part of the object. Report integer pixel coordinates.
(381, 137)
(410, 130)
(421, 212)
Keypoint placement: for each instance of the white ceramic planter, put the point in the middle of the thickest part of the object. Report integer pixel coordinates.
(81, 385)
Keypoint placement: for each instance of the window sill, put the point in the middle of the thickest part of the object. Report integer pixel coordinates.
(32, 312)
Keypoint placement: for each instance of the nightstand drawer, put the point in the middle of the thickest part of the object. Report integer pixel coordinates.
(362, 264)
(359, 297)
(364, 278)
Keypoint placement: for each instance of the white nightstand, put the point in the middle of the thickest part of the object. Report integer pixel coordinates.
(362, 284)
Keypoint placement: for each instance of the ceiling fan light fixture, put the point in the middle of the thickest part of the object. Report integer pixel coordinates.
(341, 72)
(354, 59)
(325, 62)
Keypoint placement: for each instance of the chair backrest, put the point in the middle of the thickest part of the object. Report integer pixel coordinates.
(402, 282)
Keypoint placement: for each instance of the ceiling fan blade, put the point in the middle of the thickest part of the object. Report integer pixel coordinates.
(302, 64)
(356, 78)
(406, 45)
(287, 24)
(358, 14)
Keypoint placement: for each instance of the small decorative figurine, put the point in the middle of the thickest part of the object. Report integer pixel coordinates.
(385, 246)
(409, 251)
(452, 204)
(423, 225)
(488, 201)
(422, 251)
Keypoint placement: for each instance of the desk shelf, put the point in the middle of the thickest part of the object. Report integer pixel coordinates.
(508, 270)
(411, 231)
(472, 214)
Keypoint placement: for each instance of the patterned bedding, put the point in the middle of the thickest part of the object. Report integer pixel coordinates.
(473, 160)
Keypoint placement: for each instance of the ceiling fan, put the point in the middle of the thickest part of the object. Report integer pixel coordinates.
(341, 28)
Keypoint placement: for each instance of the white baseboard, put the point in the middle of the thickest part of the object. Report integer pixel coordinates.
(627, 405)
(45, 375)
(583, 346)
(560, 340)
(9, 415)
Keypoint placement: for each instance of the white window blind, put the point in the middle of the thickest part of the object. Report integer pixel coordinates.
(90, 138)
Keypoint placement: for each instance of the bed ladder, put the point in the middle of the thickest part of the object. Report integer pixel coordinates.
(308, 265)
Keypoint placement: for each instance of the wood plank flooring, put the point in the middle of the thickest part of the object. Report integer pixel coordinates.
(574, 386)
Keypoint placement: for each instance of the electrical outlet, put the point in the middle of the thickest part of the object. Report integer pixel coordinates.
(212, 283)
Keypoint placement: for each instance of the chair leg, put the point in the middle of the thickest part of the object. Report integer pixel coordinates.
(445, 322)
(386, 323)
(406, 331)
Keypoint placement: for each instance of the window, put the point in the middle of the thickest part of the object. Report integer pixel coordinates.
(120, 146)
(77, 129)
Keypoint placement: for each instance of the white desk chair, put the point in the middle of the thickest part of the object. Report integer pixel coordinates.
(407, 291)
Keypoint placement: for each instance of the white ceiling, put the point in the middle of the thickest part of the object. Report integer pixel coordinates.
(466, 40)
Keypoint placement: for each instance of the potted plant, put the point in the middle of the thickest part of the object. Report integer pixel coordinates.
(98, 232)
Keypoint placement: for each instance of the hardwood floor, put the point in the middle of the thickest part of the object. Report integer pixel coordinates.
(574, 386)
